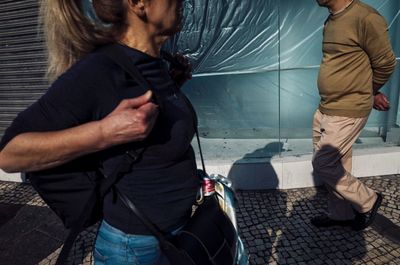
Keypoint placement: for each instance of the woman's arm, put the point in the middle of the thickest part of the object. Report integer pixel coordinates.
(132, 120)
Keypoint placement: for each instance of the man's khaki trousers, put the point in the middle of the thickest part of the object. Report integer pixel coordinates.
(333, 138)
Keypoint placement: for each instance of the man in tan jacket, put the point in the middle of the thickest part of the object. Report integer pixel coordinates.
(357, 61)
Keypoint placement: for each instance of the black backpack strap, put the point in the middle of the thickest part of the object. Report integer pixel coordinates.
(75, 230)
(115, 53)
(143, 218)
(125, 165)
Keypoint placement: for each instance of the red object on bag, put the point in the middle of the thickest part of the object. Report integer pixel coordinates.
(208, 187)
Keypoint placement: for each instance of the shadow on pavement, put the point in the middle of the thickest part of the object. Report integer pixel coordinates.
(386, 228)
(31, 236)
(259, 209)
(7, 212)
(262, 175)
(30, 233)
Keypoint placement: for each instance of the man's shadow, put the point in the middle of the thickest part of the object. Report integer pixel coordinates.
(254, 170)
(260, 202)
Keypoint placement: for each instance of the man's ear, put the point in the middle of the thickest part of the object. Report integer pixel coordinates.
(137, 7)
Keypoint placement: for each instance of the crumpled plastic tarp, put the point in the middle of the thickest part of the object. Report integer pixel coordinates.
(256, 63)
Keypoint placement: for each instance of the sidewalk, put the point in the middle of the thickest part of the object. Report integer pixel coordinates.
(274, 225)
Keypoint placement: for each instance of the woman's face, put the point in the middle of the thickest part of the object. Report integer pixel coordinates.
(165, 15)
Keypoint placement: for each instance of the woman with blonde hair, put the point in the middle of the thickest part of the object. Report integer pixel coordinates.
(82, 113)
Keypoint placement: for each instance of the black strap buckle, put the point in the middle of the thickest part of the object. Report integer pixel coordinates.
(133, 154)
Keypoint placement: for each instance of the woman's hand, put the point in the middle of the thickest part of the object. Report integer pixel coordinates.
(132, 120)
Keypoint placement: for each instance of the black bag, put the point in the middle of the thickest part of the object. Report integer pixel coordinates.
(75, 192)
(65, 190)
(208, 238)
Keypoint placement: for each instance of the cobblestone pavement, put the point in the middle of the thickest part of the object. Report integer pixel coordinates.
(274, 226)
(276, 230)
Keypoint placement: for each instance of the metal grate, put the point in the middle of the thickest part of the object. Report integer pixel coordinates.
(22, 58)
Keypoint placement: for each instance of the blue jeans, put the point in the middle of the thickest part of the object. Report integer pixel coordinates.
(114, 247)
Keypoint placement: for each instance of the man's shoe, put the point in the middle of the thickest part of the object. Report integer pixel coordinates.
(325, 221)
(363, 220)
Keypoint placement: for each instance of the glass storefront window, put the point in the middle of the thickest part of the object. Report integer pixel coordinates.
(255, 72)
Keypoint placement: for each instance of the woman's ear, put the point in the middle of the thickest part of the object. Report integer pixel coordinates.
(137, 7)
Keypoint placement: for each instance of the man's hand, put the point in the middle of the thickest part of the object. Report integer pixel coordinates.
(180, 74)
(132, 120)
(381, 102)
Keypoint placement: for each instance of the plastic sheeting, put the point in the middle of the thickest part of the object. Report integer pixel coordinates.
(256, 64)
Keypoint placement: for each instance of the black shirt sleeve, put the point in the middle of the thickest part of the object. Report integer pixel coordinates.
(73, 99)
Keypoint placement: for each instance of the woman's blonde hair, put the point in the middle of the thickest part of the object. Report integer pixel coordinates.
(70, 34)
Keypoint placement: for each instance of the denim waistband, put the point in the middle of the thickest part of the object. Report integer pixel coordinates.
(109, 228)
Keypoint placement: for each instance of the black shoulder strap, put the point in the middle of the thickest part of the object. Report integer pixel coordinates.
(116, 54)
(75, 230)
(106, 185)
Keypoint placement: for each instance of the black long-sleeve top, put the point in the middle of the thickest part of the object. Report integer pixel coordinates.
(163, 184)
